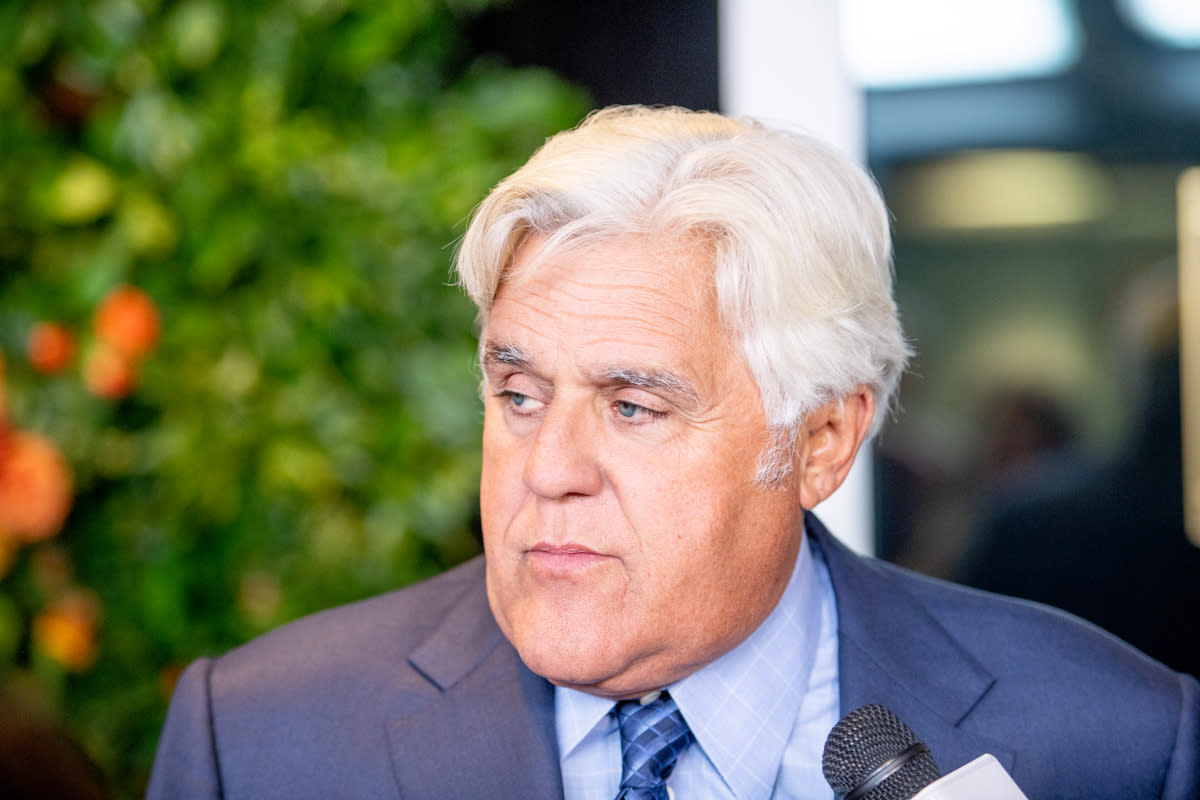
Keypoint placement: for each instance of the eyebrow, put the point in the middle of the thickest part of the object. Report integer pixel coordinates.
(662, 380)
(654, 380)
(505, 354)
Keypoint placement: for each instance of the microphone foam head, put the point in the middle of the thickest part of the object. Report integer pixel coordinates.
(867, 738)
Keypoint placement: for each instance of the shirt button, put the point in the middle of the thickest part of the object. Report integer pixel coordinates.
(647, 699)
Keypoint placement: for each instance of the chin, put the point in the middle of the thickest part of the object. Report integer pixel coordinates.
(572, 641)
(567, 663)
(593, 666)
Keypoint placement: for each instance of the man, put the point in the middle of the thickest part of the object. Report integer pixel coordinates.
(687, 332)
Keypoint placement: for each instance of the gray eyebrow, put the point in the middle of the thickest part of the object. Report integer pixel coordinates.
(505, 354)
(654, 379)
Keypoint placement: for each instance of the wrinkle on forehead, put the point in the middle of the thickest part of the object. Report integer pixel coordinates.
(650, 303)
(692, 248)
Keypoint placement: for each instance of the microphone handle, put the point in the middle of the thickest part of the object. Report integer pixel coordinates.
(982, 779)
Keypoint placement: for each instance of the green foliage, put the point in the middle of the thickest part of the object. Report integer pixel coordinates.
(285, 179)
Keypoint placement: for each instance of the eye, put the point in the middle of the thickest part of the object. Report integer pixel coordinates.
(520, 404)
(627, 410)
(633, 411)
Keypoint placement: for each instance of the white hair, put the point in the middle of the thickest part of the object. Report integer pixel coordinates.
(799, 236)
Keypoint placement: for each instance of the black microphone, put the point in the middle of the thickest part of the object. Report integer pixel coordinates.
(872, 755)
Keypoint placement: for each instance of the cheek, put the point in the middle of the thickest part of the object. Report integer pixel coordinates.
(701, 530)
(684, 489)
(500, 484)
(682, 532)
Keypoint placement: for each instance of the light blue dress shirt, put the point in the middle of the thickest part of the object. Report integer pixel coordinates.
(760, 713)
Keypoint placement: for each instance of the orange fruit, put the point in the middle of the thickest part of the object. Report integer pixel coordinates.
(109, 373)
(66, 631)
(50, 347)
(127, 321)
(35, 486)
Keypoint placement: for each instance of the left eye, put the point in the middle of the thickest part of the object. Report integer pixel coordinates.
(633, 411)
(628, 409)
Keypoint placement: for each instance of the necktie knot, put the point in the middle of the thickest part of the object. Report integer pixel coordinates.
(653, 735)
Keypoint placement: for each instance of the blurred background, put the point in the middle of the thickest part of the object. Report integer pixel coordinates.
(237, 385)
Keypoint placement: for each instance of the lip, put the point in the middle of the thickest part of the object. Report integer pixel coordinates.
(563, 558)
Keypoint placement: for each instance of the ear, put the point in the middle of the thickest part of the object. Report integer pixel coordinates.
(830, 438)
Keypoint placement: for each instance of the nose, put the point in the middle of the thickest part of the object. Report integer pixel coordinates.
(562, 457)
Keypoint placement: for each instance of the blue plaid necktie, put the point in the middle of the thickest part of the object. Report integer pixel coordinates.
(653, 734)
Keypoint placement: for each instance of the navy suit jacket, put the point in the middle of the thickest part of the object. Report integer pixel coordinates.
(417, 694)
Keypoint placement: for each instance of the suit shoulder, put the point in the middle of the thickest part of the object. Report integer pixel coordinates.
(1055, 673)
(1076, 705)
(1015, 635)
(1061, 679)
(331, 686)
(375, 633)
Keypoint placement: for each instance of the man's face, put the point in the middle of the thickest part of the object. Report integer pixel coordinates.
(627, 542)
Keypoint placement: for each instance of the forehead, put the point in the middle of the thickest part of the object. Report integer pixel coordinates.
(635, 299)
(629, 268)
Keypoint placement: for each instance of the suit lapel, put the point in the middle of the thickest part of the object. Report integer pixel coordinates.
(892, 651)
(484, 724)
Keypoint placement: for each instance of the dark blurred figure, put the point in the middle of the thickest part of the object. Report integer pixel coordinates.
(1026, 428)
(929, 491)
(39, 762)
(1105, 540)
(922, 490)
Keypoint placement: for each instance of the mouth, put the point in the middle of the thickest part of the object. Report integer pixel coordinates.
(563, 558)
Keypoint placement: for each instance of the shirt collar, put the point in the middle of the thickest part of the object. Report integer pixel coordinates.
(741, 707)
(578, 714)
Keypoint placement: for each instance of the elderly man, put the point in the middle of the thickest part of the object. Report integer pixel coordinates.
(687, 332)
